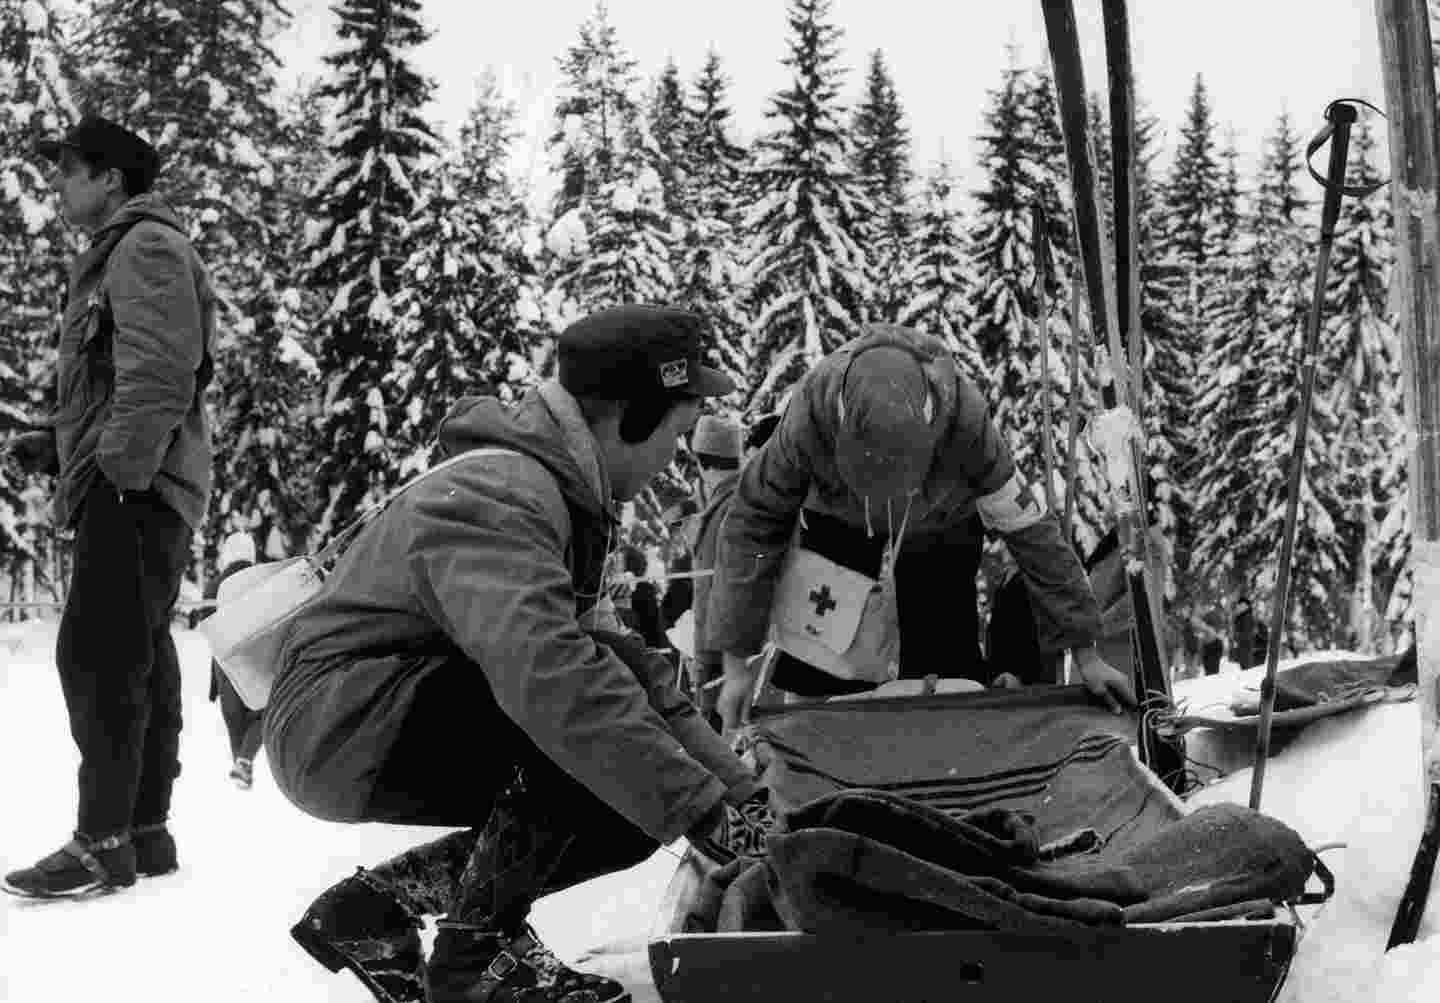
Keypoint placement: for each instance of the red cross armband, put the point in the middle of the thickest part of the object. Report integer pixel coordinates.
(1012, 507)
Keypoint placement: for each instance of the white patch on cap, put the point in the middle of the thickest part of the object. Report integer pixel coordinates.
(674, 374)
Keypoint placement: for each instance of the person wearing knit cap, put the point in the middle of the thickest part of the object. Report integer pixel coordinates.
(242, 724)
(718, 447)
(885, 445)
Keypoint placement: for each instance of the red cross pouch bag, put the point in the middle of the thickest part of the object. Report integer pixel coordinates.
(837, 619)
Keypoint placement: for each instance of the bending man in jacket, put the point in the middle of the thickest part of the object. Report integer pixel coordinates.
(445, 676)
(129, 445)
(886, 440)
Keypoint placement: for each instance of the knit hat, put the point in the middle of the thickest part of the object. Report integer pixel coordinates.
(716, 438)
(885, 439)
(238, 548)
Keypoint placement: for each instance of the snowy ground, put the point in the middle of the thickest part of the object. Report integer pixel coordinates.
(251, 863)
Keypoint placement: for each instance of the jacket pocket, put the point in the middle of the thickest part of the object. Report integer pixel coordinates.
(86, 370)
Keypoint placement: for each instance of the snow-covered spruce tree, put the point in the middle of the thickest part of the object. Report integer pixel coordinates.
(938, 276)
(377, 142)
(35, 246)
(1321, 558)
(628, 234)
(597, 103)
(265, 369)
(1023, 167)
(1213, 589)
(611, 238)
(807, 269)
(458, 326)
(1247, 407)
(1168, 366)
(666, 116)
(1359, 373)
(199, 82)
(707, 269)
(881, 160)
(1181, 246)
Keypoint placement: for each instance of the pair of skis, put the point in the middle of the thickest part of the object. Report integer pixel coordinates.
(1113, 294)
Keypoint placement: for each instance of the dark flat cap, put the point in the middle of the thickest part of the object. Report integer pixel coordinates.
(637, 350)
(106, 144)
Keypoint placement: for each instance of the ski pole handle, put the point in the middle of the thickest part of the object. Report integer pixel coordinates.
(1341, 117)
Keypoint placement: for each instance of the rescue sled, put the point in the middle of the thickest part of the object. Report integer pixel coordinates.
(924, 747)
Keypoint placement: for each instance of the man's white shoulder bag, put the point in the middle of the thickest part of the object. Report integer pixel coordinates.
(255, 605)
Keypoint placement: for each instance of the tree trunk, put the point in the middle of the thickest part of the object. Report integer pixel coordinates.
(1406, 60)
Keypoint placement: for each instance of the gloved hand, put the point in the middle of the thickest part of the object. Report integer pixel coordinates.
(709, 825)
(749, 823)
(34, 452)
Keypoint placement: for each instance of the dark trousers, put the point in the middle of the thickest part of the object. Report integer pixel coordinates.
(117, 661)
(939, 604)
(457, 754)
(241, 723)
(935, 593)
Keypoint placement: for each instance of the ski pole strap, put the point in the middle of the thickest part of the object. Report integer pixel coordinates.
(1323, 136)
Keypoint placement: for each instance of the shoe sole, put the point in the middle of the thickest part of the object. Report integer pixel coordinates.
(83, 893)
(333, 960)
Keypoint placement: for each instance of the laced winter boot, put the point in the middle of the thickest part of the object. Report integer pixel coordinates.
(154, 850)
(368, 922)
(484, 952)
(80, 868)
(473, 964)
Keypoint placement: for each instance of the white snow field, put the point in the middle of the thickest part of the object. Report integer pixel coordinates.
(251, 863)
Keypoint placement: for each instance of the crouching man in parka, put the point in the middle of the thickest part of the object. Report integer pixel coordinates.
(444, 677)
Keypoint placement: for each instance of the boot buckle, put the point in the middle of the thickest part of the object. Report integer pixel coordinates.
(502, 966)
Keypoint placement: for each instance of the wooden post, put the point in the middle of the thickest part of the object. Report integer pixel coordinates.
(1406, 61)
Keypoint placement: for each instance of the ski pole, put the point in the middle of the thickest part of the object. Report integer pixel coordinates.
(1072, 464)
(1042, 267)
(1341, 117)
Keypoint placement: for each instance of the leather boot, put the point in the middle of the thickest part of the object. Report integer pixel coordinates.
(484, 951)
(369, 922)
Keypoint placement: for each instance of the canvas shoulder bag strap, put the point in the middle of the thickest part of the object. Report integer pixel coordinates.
(340, 540)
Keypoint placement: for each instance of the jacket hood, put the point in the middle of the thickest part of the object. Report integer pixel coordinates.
(934, 356)
(138, 209)
(546, 425)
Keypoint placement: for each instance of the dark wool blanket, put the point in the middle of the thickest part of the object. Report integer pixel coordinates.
(886, 826)
(1313, 684)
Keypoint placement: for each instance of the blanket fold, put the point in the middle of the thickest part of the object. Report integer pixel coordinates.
(1065, 831)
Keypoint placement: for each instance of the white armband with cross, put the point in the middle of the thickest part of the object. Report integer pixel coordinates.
(1012, 507)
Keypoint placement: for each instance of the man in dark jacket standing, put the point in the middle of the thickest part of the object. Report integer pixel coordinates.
(129, 444)
(885, 444)
(445, 676)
